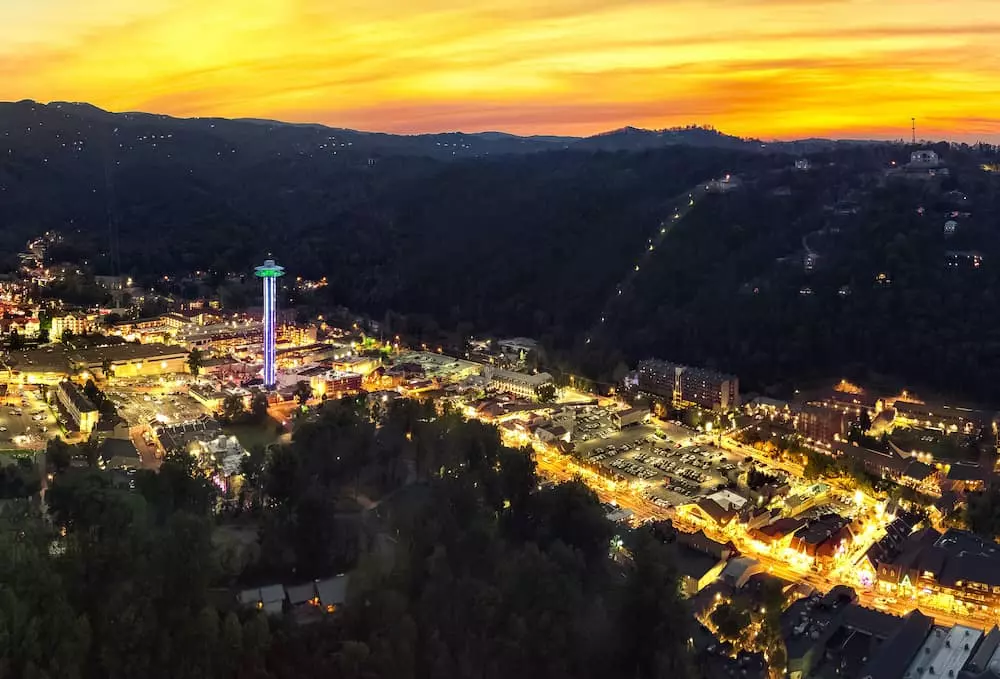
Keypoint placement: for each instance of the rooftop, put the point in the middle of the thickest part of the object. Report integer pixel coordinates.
(77, 397)
(893, 657)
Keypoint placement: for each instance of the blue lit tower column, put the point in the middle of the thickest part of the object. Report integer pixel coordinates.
(270, 273)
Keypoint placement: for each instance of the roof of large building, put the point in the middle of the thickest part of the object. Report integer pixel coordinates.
(932, 411)
(536, 380)
(179, 436)
(702, 543)
(94, 356)
(893, 657)
(821, 530)
(77, 397)
(718, 513)
(693, 563)
(333, 591)
(119, 452)
(872, 622)
(960, 471)
(952, 654)
(60, 358)
(980, 660)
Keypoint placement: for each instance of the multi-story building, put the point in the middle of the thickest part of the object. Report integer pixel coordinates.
(518, 384)
(681, 383)
(820, 423)
(660, 378)
(80, 408)
(334, 383)
(297, 335)
(925, 157)
(76, 323)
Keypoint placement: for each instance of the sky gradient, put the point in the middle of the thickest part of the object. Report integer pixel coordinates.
(763, 68)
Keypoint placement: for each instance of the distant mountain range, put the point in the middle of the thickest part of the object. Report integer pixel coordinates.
(302, 136)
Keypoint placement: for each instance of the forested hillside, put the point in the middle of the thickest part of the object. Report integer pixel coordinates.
(841, 269)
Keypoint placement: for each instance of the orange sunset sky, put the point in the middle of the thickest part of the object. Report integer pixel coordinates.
(765, 68)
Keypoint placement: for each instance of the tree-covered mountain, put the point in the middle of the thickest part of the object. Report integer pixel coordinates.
(775, 280)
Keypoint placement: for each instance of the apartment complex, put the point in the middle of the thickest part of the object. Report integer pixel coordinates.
(685, 384)
(80, 408)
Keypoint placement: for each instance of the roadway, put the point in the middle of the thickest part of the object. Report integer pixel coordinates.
(559, 468)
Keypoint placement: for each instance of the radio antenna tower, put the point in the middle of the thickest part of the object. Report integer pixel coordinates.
(913, 128)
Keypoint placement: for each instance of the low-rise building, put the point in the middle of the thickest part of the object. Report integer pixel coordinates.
(208, 396)
(518, 384)
(626, 418)
(119, 453)
(947, 418)
(77, 406)
(953, 570)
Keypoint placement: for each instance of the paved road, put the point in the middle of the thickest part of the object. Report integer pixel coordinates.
(559, 468)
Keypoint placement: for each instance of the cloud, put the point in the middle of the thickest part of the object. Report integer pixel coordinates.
(752, 67)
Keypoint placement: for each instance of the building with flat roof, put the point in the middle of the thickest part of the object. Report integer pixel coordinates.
(626, 418)
(821, 423)
(80, 409)
(948, 418)
(439, 366)
(893, 658)
(49, 365)
(132, 360)
(943, 653)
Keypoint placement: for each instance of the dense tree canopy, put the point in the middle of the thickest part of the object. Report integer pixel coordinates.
(462, 567)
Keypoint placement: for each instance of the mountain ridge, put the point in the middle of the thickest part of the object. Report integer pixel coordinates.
(628, 137)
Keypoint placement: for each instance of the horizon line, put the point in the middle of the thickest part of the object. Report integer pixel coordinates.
(902, 139)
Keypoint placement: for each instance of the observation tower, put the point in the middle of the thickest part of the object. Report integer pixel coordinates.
(270, 273)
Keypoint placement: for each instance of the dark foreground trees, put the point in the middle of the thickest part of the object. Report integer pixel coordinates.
(464, 569)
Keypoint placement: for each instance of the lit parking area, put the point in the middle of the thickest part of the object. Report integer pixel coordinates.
(671, 460)
(29, 424)
(140, 408)
(593, 423)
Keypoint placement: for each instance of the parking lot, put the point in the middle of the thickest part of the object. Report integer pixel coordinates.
(139, 408)
(671, 460)
(29, 424)
(593, 423)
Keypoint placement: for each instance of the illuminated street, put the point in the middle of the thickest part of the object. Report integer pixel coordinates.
(787, 564)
